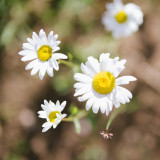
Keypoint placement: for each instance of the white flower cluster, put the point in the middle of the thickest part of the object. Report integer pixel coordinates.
(99, 84)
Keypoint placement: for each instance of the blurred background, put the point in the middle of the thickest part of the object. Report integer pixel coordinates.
(78, 24)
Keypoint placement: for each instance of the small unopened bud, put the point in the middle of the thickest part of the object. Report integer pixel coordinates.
(106, 135)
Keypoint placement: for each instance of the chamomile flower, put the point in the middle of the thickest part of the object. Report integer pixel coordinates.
(122, 20)
(52, 113)
(40, 49)
(99, 83)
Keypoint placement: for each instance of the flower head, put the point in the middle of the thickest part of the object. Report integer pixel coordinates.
(40, 49)
(122, 20)
(99, 84)
(52, 113)
(106, 135)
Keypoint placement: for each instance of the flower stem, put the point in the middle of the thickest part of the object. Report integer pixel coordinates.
(114, 115)
(67, 63)
(69, 119)
(79, 115)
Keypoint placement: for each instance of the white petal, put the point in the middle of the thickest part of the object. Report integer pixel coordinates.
(116, 103)
(46, 103)
(51, 104)
(31, 41)
(42, 114)
(63, 104)
(50, 71)
(58, 116)
(103, 107)
(82, 91)
(81, 85)
(54, 49)
(46, 128)
(28, 57)
(82, 78)
(42, 70)
(27, 52)
(87, 70)
(46, 124)
(107, 111)
(96, 106)
(85, 96)
(43, 107)
(125, 80)
(57, 103)
(55, 37)
(59, 56)
(32, 64)
(50, 35)
(93, 64)
(119, 67)
(125, 91)
(42, 36)
(57, 42)
(120, 96)
(55, 125)
(110, 105)
(106, 65)
(64, 115)
(55, 64)
(28, 46)
(35, 37)
(104, 56)
(35, 70)
(89, 103)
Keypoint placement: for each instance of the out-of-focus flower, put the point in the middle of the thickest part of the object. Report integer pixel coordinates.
(106, 135)
(40, 49)
(99, 84)
(122, 20)
(52, 113)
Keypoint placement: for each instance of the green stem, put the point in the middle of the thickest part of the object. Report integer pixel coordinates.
(114, 115)
(69, 119)
(80, 115)
(67, 63)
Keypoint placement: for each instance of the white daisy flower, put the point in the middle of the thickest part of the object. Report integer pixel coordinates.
(99, 84)
(40, 49)
(122, 20)
(52, 113)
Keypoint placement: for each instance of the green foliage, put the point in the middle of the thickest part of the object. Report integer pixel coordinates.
(93, 152)
(73, 109)
(62, 82)
(12, 156)
(77, 125)
(22, 147)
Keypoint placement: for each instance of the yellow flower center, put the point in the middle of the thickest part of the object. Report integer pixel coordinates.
(44, 53)
(103, 82)
(52, 116)
(121, 17)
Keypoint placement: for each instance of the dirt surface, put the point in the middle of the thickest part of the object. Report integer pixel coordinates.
(136, 134)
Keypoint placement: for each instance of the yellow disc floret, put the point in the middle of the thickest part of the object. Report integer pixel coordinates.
(52, 116)
(103, 82)
(44, 53)
(121, 17)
